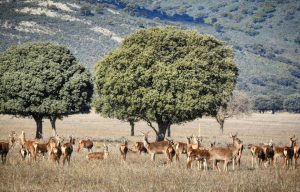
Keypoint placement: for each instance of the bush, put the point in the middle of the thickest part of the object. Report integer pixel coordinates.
(292, 103)
(259, 17)
(268, 7)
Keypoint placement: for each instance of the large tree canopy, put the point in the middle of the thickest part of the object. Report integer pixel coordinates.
(43, 80)
(165, 75)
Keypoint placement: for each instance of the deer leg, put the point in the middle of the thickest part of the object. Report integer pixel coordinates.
(153, 156)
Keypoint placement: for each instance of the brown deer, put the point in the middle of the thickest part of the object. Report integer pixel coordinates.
(98, 155)
(159, 147)
(139, 147)
(29, 145)
(124, 149)
(278, 152)
(180, 148)
(216, 154)
(88, 144)
(55, 151)
(257, 153)
(260, 154)
(44, 148)
(67, 150)
(296, 153)
(6, 146)
(289, 153)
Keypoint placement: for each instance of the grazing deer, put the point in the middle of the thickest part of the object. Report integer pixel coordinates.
(67, 150)
(88, 144)
(124, 149)
(98, 155)
(29, 145)
(159, 147)
(139, 146)
(6, 146)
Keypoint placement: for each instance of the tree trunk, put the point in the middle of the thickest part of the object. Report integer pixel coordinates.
(221, 121)
(131, 122)
(39, 127)
(53, 121)
(222, 126)
(162, 128)
(169, 131)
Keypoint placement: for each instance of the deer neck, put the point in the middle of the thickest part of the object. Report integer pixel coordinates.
(146, 143)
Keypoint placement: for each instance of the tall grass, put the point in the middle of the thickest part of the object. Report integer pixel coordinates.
(139, 173)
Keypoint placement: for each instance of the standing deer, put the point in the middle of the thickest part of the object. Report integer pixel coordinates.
(289, 153)
(29, 145)
(260, 154)
(6, 146)
(98, 155)
(88, 144)
(55, 151)
(296, 151)
(159, 147)
(67, 150)
(124, 149)
(180, 148)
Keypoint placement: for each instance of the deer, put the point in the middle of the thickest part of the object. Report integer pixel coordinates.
(289, 152)
(139, 147)
(6, 146)
(55, 151)
(180, 148)
(159, 147)
(262, 153)
(216, 154)
(123, 148)
(29, 145)
(44, 148)
(88, 144)
(67, 150)
(226, 154)
(99, 155)
(296, 151)
(239, 156)
(278, 152)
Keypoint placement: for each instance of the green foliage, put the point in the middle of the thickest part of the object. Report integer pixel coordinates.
(262, 103)
(44, 79)
(166, 75)
(259, 17)
(268, 7)
(292, 103)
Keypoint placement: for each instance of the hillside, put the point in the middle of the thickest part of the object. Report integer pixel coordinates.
(264, 33)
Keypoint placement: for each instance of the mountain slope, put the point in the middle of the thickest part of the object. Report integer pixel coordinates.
(264, 34)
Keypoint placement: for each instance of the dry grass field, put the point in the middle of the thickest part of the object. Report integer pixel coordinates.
(139, 173)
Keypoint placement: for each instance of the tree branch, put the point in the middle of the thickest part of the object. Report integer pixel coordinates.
(150, 124)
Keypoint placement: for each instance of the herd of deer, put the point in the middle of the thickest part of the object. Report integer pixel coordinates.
(56, 149)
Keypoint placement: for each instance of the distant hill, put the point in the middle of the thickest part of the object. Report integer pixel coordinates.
(265, 34)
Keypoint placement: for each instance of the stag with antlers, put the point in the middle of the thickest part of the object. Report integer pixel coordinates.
(159, 147)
